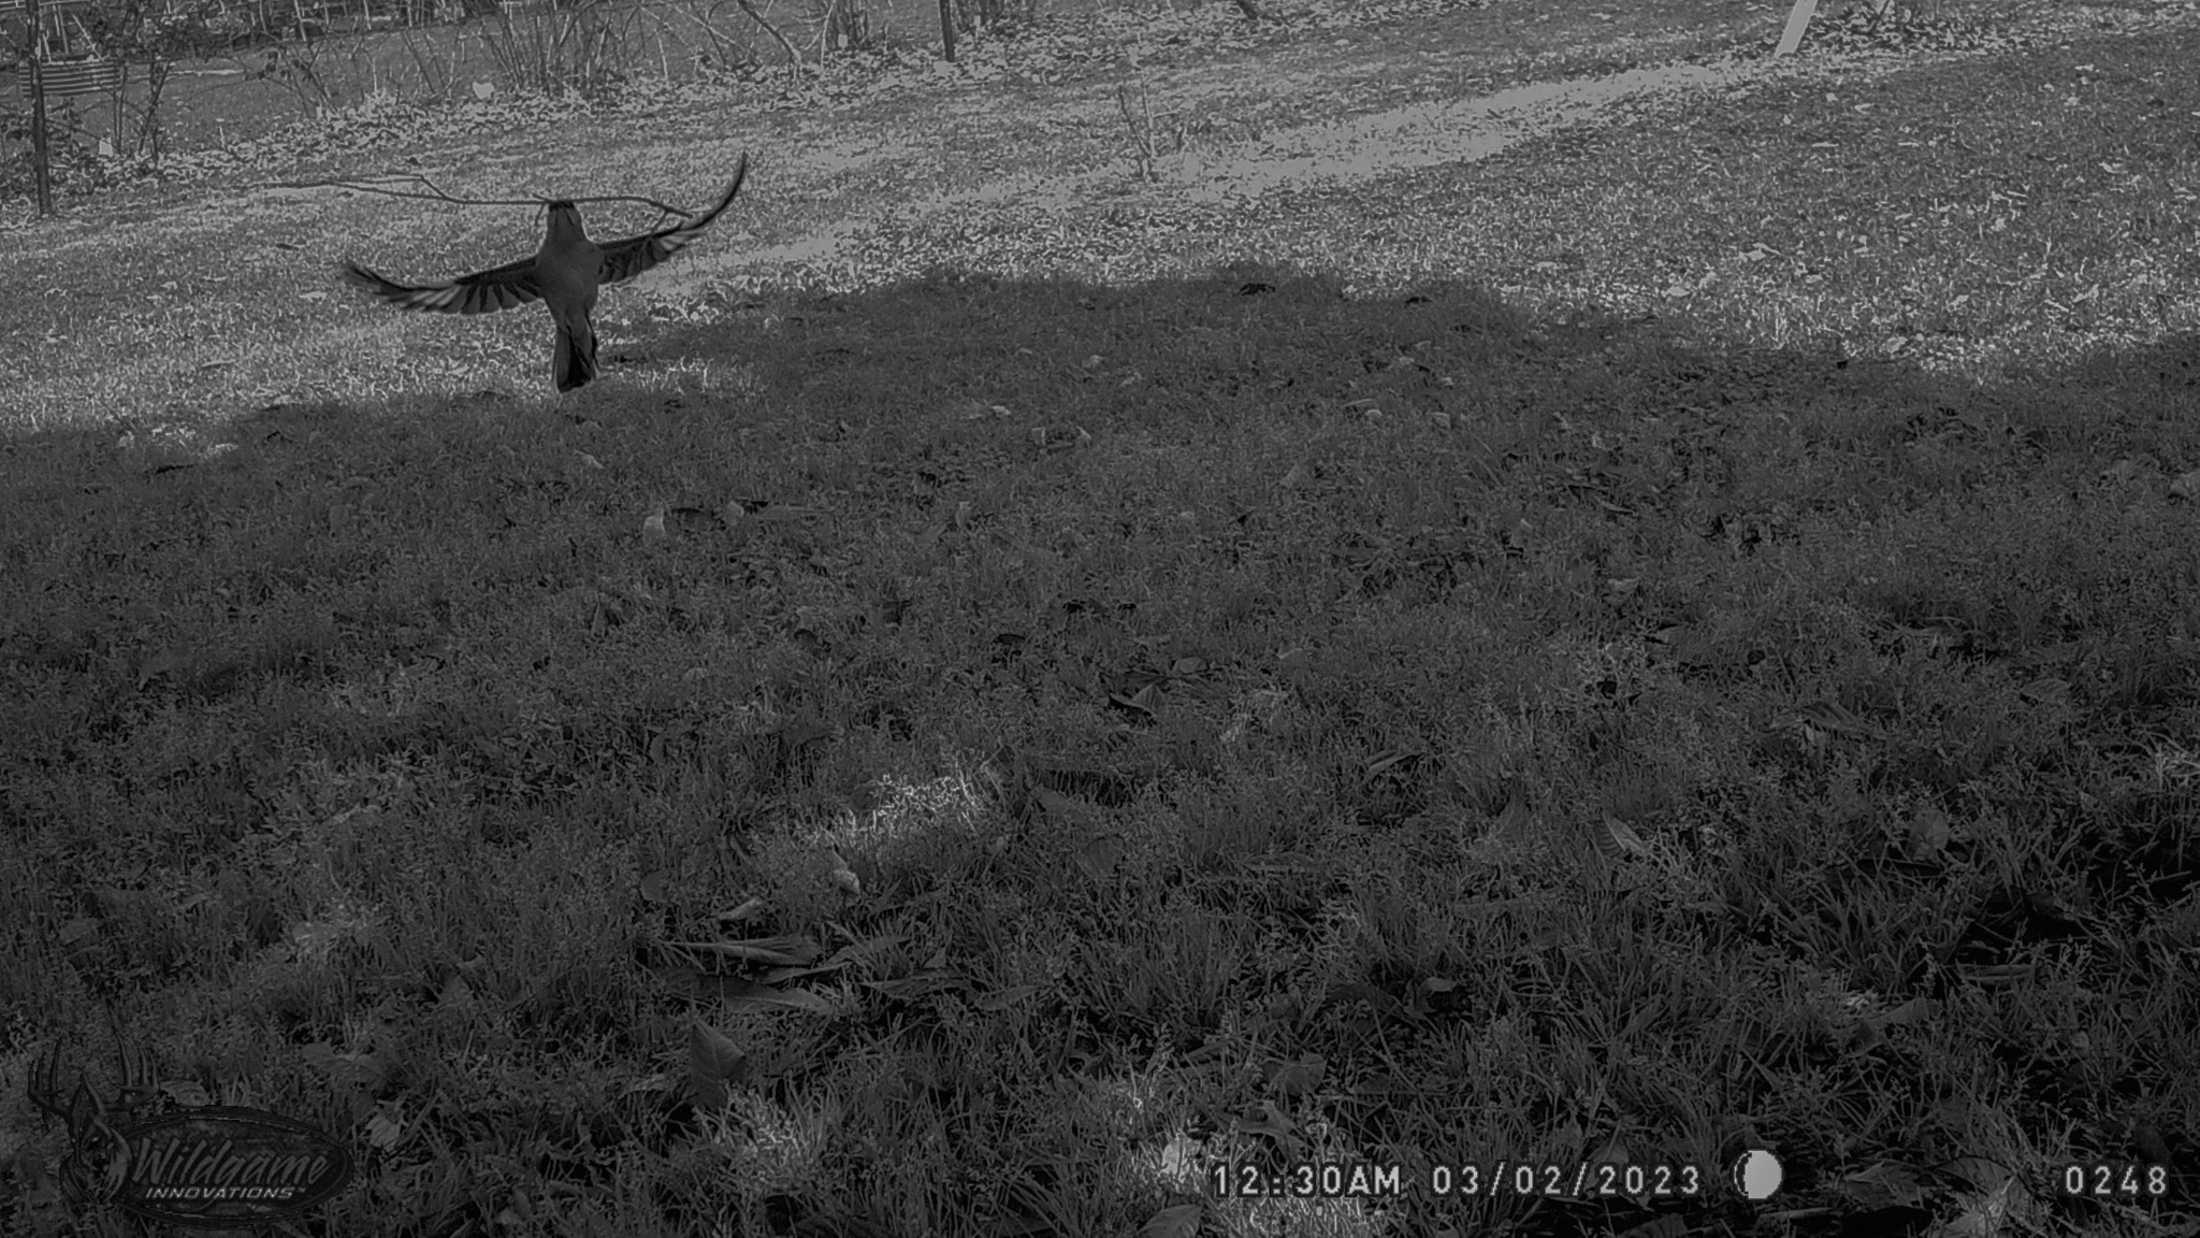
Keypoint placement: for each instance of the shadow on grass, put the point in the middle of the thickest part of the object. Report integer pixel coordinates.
(1006, 757)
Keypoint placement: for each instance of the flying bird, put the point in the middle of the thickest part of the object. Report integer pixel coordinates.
(564, 275)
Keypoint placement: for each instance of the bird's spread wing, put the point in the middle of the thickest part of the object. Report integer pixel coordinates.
(627, 258)
(482, 292)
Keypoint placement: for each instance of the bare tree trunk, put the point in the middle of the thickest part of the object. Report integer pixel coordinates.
(34, 80)
(793, 56)
(947, 28)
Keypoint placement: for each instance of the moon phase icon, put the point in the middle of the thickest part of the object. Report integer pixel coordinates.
(1757, 1175)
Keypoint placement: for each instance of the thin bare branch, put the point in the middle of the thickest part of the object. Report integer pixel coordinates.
(435, 193)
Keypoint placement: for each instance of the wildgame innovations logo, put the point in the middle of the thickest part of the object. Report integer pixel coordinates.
(209, 1166)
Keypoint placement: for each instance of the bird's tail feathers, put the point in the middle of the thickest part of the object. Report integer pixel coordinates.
(574, 364)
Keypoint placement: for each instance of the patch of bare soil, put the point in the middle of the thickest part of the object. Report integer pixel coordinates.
(1429, 134)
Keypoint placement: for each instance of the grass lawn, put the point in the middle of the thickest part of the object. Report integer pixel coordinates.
(1501, 597)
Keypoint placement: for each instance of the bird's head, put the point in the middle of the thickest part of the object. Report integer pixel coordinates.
(565, 222)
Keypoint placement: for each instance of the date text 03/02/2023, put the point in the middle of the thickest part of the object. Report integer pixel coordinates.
(1377, 1180)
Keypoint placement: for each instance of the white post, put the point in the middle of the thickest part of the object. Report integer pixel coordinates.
(1798, 21)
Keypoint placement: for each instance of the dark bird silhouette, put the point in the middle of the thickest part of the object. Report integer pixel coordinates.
(564, 275)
